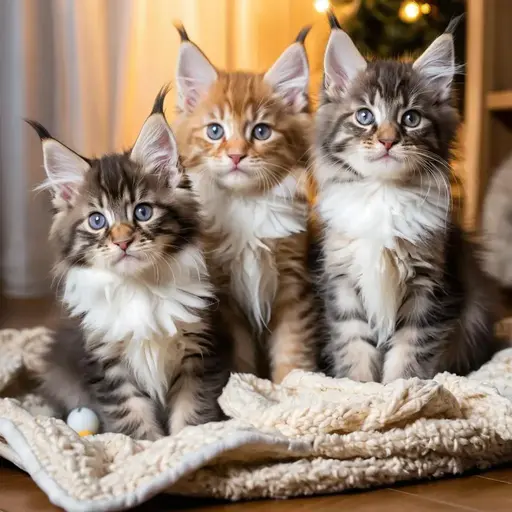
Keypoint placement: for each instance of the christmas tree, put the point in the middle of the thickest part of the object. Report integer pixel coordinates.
(391, 28)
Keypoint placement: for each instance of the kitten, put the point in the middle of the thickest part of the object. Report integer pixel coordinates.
(244, 138)
(402, 291)
(497, 223)
(126, 228)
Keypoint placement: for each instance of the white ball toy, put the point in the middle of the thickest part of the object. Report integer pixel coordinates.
(83, 421)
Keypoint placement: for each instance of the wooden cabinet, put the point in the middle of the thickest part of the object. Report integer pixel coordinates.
(488, 102)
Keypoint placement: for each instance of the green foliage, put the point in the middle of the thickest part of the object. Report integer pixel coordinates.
(377, 29)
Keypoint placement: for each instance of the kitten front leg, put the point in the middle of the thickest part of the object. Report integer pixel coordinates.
(351, 345)
(125, 409)
(413, 351)
(245, 350)
(293, 330)
(192, 399)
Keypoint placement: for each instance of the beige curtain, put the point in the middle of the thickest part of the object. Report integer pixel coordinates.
(89, 70)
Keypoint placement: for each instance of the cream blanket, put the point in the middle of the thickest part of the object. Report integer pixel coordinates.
(310, 435)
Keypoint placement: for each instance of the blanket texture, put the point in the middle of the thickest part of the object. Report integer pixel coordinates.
(309, 435)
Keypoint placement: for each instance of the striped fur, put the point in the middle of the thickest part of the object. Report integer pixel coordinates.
(400, 286)
(141, 351)
(256, 210)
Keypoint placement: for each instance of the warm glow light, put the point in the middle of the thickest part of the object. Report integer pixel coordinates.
(426, 9)
(322, 5)
(410, 11)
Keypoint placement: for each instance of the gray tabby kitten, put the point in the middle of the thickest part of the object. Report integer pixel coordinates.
(402, 292)
(126, 227)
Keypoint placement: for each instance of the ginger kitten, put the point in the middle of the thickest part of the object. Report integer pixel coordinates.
(244, 138)
(141, 352)
(401, 287)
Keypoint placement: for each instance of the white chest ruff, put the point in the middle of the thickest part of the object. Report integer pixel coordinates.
(249, 229)
(374, 224)
(145, 318)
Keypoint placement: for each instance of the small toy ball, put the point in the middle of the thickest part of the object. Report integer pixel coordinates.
(83, 421)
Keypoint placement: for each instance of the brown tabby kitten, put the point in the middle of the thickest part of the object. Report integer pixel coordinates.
(402, 290)
(244, 138)
(126, 227)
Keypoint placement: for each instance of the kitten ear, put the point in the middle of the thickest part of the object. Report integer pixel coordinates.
(194, 73)
(289, 75)
(437, 64)
(64, 168)
(342, 60)
(156, 148)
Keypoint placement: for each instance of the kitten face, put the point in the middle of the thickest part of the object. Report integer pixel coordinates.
(128, 213)
(242, 136)
(124, 219)
(386, 120)
(245, 131)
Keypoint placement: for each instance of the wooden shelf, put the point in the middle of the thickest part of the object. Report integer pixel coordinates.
(499, 100)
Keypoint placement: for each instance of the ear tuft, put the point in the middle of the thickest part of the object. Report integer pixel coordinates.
(333, 20)
(301, 36)
(342, 62)
(289, 76)
(181, 31)
(437, 64)
(158, 104)
(195, 74)
(41, 131)
(156, 149)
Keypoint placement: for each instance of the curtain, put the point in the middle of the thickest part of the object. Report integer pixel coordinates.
(88, 70)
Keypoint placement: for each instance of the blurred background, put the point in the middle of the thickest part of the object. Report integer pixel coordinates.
(89, 70)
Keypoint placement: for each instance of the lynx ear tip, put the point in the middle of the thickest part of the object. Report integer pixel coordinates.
(333, 20)
(158, 105)
(181, 31)
(454, 23)
(41, 131)
(301, 36)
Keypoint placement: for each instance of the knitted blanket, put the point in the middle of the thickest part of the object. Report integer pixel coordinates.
(310, 435)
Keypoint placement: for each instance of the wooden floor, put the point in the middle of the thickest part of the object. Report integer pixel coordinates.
(489, 491)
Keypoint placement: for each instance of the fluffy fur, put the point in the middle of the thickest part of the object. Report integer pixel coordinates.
(250, 178)
(497, 224)
(141, 352)
(401, 289)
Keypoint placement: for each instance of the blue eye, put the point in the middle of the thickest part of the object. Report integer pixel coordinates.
(262, 131)
(97, 220)
(411, 118)
(143, 212)
(214, 131)
(365, 117)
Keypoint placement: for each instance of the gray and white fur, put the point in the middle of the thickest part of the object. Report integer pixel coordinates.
(401, 290)
(139, 347)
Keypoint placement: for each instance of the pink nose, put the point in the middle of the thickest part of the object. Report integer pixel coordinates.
(236, 157)
(124, 244)
(388, 143)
